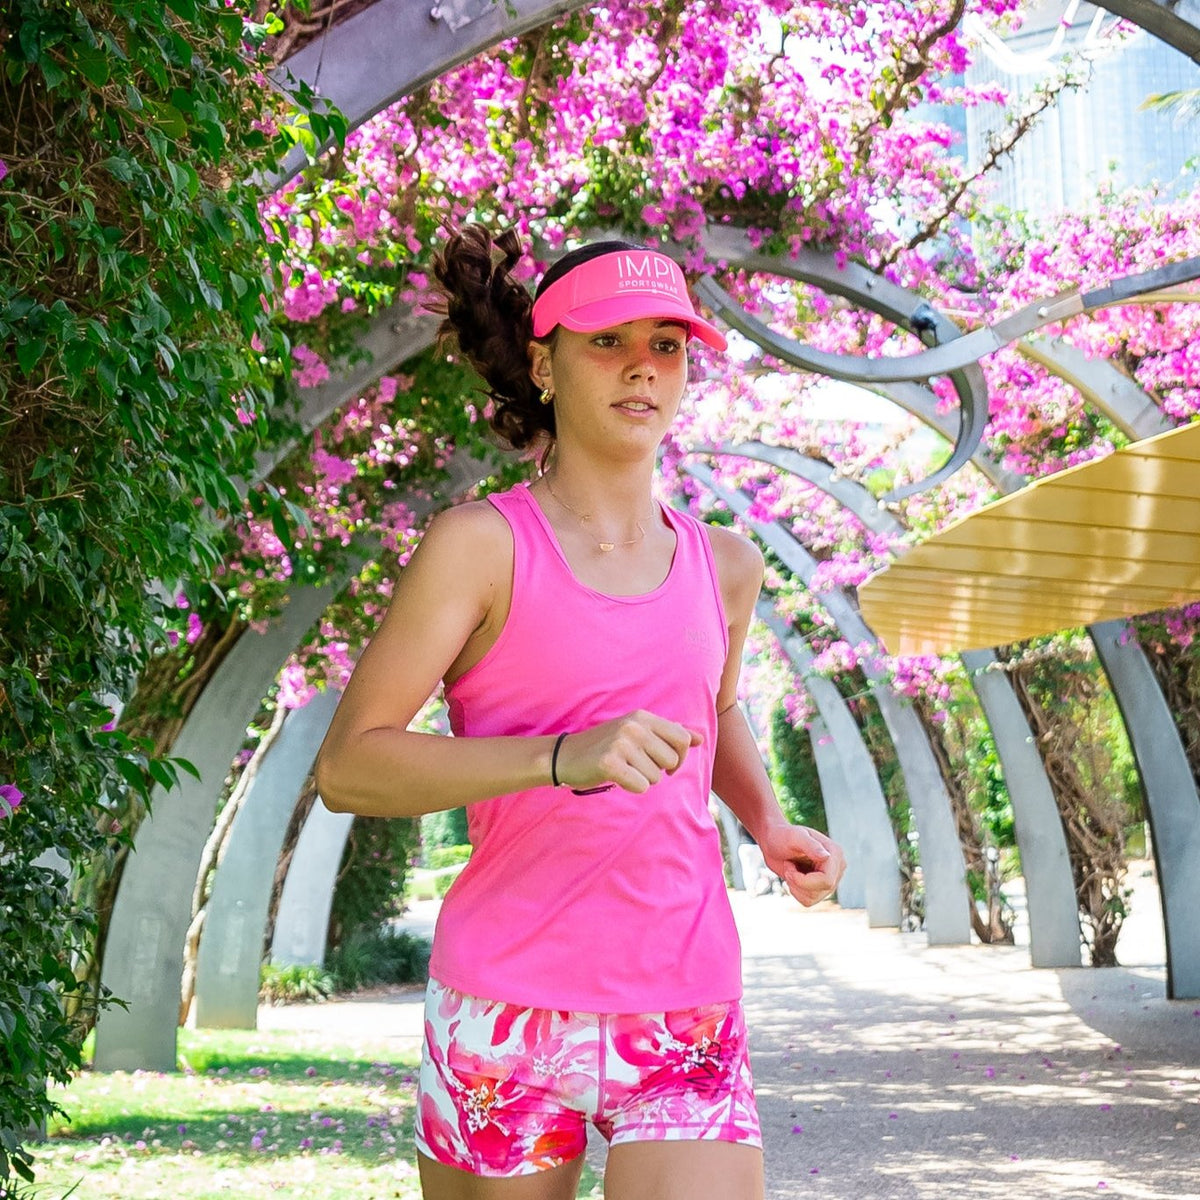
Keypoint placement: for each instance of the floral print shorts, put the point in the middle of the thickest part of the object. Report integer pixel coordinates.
(507, 1090)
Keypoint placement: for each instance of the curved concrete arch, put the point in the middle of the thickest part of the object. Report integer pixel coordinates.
(1055, 939)
(947, 913)
(143, 954)
(835, 787)
(143, 957)
(1132, 410)
(1172, 798)
(230, 954)
(872, 877)
(850, 494)
(394, 47)
(1053, 910)
(302, 922)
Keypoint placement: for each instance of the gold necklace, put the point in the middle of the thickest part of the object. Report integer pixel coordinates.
(585, 518)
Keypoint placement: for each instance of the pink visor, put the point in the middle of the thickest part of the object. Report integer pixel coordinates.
(625, 285)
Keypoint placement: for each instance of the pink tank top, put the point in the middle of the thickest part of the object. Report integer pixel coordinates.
(607, 903)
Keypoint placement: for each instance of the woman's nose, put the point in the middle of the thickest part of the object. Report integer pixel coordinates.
(640, 364)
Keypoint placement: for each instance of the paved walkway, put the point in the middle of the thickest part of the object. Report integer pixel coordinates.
(888, 1069)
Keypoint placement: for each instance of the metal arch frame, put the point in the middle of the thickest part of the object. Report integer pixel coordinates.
(846, 491)
(354, 66)
(947, 914)
(854, 282)
(398, 333)
(955, 355)
(1161, 18)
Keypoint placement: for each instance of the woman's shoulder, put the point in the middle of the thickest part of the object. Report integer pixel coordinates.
(740, 566)
(734, 551)
(473, 533)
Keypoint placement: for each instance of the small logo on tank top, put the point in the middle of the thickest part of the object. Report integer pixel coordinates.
(696, 639)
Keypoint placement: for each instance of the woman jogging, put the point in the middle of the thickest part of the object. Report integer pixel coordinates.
(585, 964)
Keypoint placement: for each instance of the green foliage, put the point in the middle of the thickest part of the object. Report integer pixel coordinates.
(449, 856)
(440, 829)
(287, 985)
(443, 881)
(794, 773)
(135, 278)
(370, 888)
(380, 956)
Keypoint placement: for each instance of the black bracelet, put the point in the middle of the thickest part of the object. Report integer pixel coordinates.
(554, 779)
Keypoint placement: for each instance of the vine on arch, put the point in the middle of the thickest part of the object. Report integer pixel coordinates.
(1061, 691)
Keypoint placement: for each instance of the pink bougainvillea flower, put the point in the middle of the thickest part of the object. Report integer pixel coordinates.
(3, 169)
(10, 795)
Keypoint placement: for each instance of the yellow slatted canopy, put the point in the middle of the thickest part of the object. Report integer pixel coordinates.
(1110, 538)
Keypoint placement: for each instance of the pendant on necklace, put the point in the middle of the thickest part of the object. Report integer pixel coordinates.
(605, 547)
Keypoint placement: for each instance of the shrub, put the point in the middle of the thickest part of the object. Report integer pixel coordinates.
(439, 829)
(287, 985)
(794, 773)
(448, 856)
(383, 956)
(370, 888)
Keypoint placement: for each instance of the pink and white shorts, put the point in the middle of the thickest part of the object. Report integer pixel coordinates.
(507, 1090)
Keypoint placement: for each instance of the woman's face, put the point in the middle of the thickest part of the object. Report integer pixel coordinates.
(616, 388)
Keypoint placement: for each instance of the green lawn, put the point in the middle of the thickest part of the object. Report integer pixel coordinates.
(250, 1114)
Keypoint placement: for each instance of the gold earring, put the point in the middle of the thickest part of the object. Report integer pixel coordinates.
(547, 395)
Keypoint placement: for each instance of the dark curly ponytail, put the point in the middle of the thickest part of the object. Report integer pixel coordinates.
(488, 317)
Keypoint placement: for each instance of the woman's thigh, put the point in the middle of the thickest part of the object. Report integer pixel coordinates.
(683, 1170)
(440, 1182)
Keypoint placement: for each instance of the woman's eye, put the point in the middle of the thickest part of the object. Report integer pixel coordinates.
(670, 346)
(605, 339)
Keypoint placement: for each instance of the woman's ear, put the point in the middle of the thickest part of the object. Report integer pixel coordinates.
(539, 365)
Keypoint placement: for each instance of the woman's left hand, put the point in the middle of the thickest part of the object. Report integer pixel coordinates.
(810, 863)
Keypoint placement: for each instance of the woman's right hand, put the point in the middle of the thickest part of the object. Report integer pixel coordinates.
(633, 752)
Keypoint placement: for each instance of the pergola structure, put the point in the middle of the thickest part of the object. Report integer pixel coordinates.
(355, 66)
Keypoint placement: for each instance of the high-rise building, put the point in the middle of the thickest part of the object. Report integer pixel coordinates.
(1092, 134)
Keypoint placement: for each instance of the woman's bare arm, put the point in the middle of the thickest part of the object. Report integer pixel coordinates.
(370, 763)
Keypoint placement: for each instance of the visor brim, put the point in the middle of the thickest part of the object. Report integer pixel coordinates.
(606, 313)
